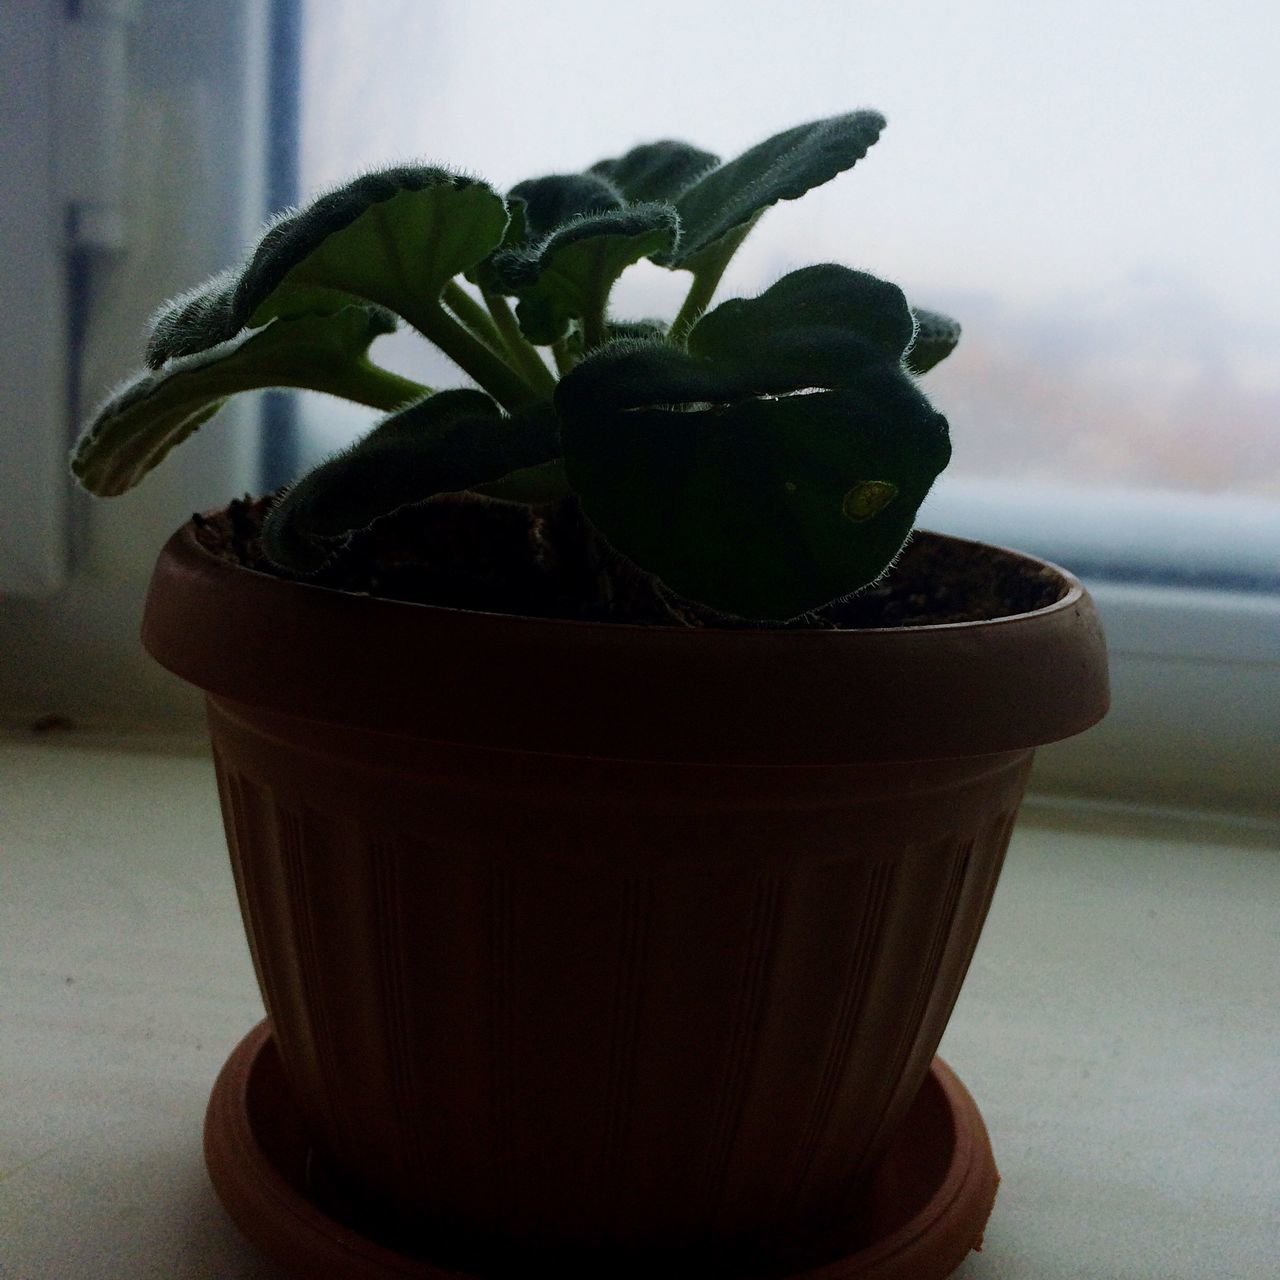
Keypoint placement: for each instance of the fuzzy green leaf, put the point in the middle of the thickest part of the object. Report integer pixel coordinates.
(818, 327)
(134, 430)
(783, 167)
(515, 237)
(194, 321)
(395, 238)
(656, 170)
(936, 338)
(807, 312)
(559, 198)
(758, 502)
(570, 274)
(451, 441)
(648, 330)
(725, 473)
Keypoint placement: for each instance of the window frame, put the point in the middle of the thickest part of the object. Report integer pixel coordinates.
(1196, 670)
(1194, 659)
(196, 77)
(34, 547)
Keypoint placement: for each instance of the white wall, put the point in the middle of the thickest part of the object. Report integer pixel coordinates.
(193, 196)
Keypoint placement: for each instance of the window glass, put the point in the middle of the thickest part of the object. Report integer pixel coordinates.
(1089, 187)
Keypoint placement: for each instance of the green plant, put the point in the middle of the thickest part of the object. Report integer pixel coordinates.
(764, 457)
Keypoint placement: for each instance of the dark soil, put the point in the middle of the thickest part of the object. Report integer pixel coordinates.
(466, 551)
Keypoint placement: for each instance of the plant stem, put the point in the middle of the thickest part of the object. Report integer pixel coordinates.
(595, 330)
(696, 302)
(563, 358)
(360, 381)
(708, 266)
(473, 315)
(472, 356)
(522, 351)
(379, 388)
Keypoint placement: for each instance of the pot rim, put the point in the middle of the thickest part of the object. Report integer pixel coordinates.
(1074, 590)
(763, 696)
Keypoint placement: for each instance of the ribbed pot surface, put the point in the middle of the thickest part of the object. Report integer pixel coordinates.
(552, 1003)
(611, 946)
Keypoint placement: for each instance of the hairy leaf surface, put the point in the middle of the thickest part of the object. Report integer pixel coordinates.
(450, 441)
(194, 321)
(814, 321)
(571, 273)
(647, 330)
(775, 466)
(558, 198)
(515, 237)
(783, 167)
(936, 338)
(394, 237)
(134, 430)
(656, 170)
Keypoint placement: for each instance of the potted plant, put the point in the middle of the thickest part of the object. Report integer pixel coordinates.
(615, 788)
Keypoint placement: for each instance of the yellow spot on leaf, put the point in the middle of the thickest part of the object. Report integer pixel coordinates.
(868, 498)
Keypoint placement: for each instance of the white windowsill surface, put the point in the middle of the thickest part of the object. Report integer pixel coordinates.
(1119, 1030)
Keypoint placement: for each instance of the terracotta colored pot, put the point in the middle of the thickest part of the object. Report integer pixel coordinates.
(597, 943)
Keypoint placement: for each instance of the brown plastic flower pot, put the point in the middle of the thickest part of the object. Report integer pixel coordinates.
(603, 946)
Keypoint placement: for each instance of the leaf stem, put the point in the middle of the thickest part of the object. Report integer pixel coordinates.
(696, 302)
(708, 266)
(360, 381)
(473, 315)
(594, 330)
(472, 356)
(522, 351)
(379, 388)
(562, 356)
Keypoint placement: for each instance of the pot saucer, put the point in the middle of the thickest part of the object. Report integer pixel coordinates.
(925, 1208)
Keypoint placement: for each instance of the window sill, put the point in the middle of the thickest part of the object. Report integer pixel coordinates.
(1195, 710)
(1114, 1029)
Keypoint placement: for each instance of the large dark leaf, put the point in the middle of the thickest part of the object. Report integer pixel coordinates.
(936, 338)
(813, 321)
(776, 465)
(451, 441)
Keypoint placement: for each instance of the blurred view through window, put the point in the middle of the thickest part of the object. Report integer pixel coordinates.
(1090, 188)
